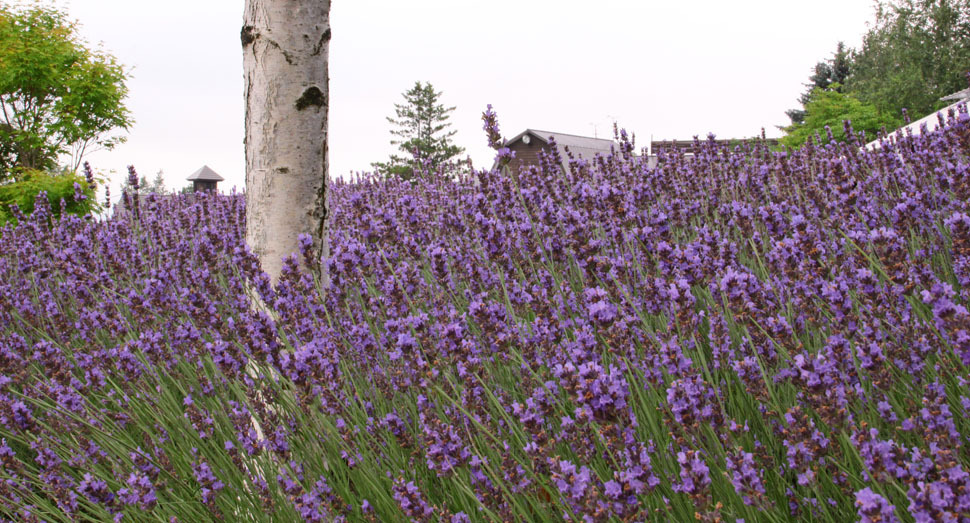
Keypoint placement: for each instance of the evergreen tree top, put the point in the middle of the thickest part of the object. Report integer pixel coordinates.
(422, 130)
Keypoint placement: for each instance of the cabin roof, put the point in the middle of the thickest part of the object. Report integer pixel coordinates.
(569, 140)
(578, 145)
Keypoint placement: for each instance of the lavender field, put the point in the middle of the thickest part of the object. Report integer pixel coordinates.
(745, 334)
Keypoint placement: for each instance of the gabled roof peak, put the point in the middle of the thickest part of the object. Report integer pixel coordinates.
(557, 135)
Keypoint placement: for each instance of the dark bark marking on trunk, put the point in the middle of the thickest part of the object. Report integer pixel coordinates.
(321, 210)
(286, 54)
(324, 38)
(312, 96)
(247, 35)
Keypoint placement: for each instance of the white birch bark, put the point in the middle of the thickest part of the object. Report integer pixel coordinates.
(285, 53)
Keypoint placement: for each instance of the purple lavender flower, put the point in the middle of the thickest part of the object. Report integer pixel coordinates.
(562, 310)
(411, 501)
(208, 482)
(490, 126)
(694, 477)
(138, 491)
(745, 476)
(97, 491)
(132, 177)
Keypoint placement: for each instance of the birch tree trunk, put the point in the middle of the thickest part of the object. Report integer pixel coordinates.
(285, 53)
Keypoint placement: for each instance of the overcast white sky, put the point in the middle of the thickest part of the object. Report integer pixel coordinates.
(670, 69)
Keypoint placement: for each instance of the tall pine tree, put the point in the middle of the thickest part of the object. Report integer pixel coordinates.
(834, 70)
(421, 127)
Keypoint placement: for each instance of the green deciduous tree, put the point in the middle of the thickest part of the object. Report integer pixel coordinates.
(916, 52)
(422, 128)
(830, 107)
(58, 96)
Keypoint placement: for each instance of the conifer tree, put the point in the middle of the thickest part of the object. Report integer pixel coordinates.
(834, 70)
(421, 127)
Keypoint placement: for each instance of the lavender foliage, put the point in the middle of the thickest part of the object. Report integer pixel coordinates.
(742, 334)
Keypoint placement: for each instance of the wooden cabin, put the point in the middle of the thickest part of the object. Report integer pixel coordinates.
(527, 145)
(205, 179)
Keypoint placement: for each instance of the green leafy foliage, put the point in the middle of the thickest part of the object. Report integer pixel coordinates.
(79, 200)
(58, 96)
(916, 52)
(829, 108)
(422, 128)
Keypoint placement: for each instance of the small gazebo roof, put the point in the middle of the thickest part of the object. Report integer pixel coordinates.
(205, 174)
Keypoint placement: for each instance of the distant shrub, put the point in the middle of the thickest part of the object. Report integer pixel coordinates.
(76, 192)
(826, 114)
